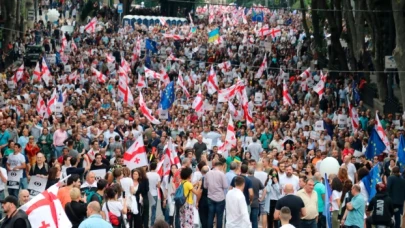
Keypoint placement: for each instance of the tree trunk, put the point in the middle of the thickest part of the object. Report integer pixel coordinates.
(355, 24)
(304, 18)
(10, 18)
(318, 33)
(398, 53)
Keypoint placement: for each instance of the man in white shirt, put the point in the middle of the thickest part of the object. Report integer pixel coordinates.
(110, 134)
(154, 186)
(16, 165)
(289, 178)
(237, 215)
(3, 183)
(351, 169)
(255, 148)
(285, 216)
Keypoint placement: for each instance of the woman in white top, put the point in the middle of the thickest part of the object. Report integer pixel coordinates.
(322, 142)
(337, 188)
(169, 190)
(274, 189)
(115, 206)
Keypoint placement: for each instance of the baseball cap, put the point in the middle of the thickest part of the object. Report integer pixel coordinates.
(10, 199)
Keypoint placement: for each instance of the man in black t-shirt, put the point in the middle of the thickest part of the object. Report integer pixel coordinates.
(293, 202)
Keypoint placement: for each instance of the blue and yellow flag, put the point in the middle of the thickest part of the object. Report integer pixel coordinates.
(213, 35)
(375, 145)
(193, 29)
(168, 96)
(401, 153)
(371, 180)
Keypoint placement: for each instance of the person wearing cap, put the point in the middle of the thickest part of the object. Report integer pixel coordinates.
(15, 218)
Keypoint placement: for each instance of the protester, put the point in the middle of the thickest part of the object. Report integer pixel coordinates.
(293, 202)
(94, 219)
(354, 215)
(14, 218)
(237, 214)
(76, 209)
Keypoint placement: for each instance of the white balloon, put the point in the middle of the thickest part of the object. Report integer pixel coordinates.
(53, 15)
(329, 166)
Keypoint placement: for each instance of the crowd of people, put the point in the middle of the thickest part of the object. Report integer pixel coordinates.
(282, 125)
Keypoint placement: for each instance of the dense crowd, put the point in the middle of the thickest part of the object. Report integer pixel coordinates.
(96, 125)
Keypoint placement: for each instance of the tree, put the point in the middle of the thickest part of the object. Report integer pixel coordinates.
(8, 9)
(398, 52)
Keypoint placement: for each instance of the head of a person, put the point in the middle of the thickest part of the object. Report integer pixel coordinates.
(111, 193)
(54, 173)
(337, 184)
(288, 189)
(302, 181)
(101, 184)
(239, 182)
(93, 208)
(98, 158)
(186, 173)
(153, 166)
(74, 181)
(17, 148)
(9, 204)
(381, 187)
(232, 152)
(91, 178)
(395, 171)
(40, 158)
(159, 223)
(310, 169)
(117, 174)
(318, 177)
(73, 161)
(356, 189)
(281, 167)
(342, 173)
(285, 214)
(244, 169)
(75, 194)
(289, 171)
(362, 172)
(23, 196)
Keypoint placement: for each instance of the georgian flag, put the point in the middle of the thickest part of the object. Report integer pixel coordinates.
(37, 73)
(320, 88)
(275, 32)
(100, 77)
(287, 100)
(52, 102)
(237, 115)
(172, 58)
(198, 104)
(162, 21)
(230, 139)
(73, 46)
(354, 116)
(164, 77)
(125, 65)
(135, 156)
(73, 76)
(46, 73)
(245, 106)
(19, 74)
(146, 111)
(380, 130)
(41, 107)
(173, 36)
(263, 31)
(225, 66)
(126, 95)
(212, 82)
(64, 43)
(262, 67)
(306, 74)
(141, 82)
(91, 26)
(323, 77)
(180, 82)
(110, 58)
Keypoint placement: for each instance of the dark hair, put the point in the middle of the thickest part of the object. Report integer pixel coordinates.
(337, 184)
(18, 145)
(362, 172)
(395, 171)
(244, 168)
(117, 173)
(110, 192)
(200, 165)
(159, 223)
(101, 184)
(239, 181)
(142, 174)
(171, 173)
(186, 173)
(73, 161)
(72, 178)
(65, 157)
(347, 186)
(153, 165)
(271, 178)
(52, 173)
(97, 154)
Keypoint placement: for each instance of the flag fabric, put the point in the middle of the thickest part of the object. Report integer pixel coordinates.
(263, 31)
(73, 46)
(172, 58)
(141, 82)
(287, 100)
(162, 21)
(262, 67)
(146, 111)
(275, 32)
(198, 104)
(320, 88)
(257, 17)
(46, 73)
(168, 96)
(164, 77)
(245, 106)
(135, 155)
(41, 107)
(232, 110)
(37, 73)
(47, 203)
(19, 74)
(401, 153)
(151, 45)
(213, 35)
(306, 74)
(128, 98)
(180, 82)
(375, 145)
(125, 65)
(326, 209)
(323, 76)
(227, 94)
(151, 74)
(100, 77)
(51, 103)
(230, 139)
(110, 58)
(91, 26)
(172, 153)
(212, 82)
(370, 181)
(173, 36)
(354, 116)
(64, 43)
(73, 76)
(380, 130)
(225, 66)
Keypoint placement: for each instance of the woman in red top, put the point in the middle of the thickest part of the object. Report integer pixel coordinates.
(32, 149)
(347, 150)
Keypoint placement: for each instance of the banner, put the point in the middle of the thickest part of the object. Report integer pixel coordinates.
(99, 173)
(258, 98)
(37, 185)
(13, 179)
(314, 135)
(163, 114)
(342, 121)
(319, 125)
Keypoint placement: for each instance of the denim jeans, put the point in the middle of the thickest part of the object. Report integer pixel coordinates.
(254, 213)
(321, 220)
(58, 151)
(153, 211)
(308, 223)
(166, 213)
(215, 208)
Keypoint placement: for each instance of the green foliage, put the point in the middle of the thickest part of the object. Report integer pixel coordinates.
(297, 4)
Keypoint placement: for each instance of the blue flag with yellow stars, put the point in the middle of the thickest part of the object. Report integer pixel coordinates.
(328, 194)
(401, 153)
(371, 180)
(167, 96)
(375, 145)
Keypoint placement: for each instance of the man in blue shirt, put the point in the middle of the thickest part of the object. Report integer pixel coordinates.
(4, 137)
(94, 219)
(319, 188)
(356, 208)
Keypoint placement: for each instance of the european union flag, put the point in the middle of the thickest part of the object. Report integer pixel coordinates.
(60, 97)
(371, 180)
(326, 209)
(148, 61)
(151, 45)
(167, 96)
(258, 17)
(356, 94)
(401, 153)
(375, 145)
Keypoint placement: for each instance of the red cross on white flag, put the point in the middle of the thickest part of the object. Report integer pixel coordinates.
(91, 26)
(146, 111)
(135, 156)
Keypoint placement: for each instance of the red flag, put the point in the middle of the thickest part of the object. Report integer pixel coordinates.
(287, 100)
(198, 104)
(180, 82)
(91, 26)
(100, 77)
(262, 67)
(212, 82)
(230, 139)
(135, 156)
(146, 111)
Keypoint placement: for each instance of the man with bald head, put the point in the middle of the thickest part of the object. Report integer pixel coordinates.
(23, 197)
(94, 219)
(293, 202)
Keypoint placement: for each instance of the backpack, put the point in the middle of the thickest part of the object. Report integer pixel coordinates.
(90, 196)
(179, 198)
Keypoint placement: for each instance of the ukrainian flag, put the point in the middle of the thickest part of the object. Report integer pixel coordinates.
(213, 35)
(193, 29)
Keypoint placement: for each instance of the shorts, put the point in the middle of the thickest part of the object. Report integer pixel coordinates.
(262, 210)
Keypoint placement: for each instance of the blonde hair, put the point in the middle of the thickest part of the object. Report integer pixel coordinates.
(75, 194)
